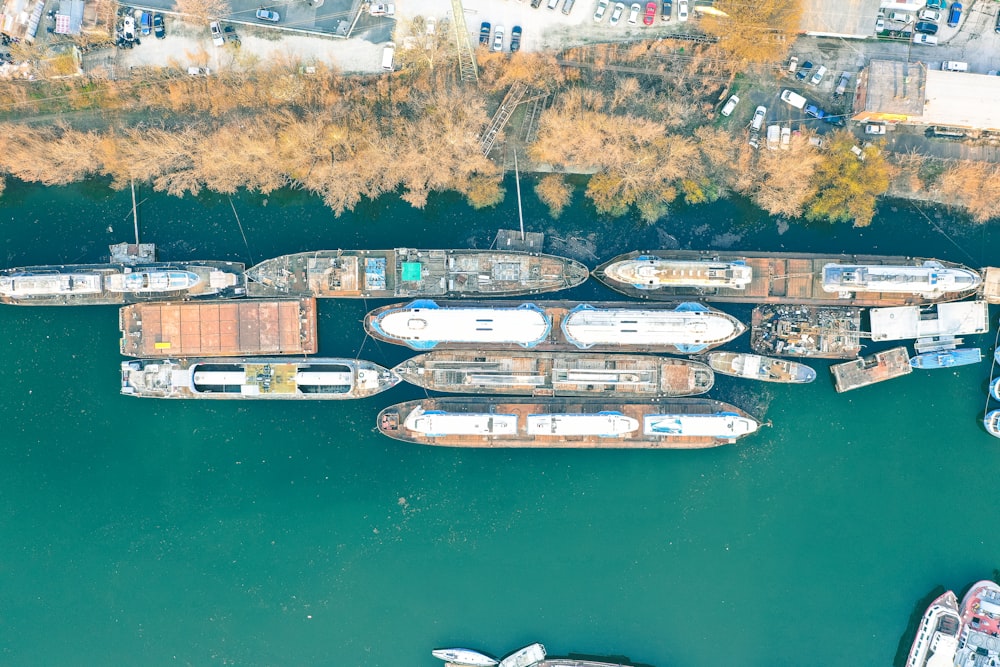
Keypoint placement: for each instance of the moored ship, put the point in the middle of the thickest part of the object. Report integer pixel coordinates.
(820, 332)
(947, 358)
(800, 278)
(255, 378)
(406, 272)
(979, 640)
(757, 367)
(128, 278)
(937, 634)
(566, 423)
(557, 374)
(683, 328)
(464, 656)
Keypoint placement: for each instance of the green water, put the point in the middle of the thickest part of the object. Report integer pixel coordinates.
(223, 533)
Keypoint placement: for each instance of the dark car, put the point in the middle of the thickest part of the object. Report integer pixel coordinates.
(484, 34)
(515, 38)
(954, 14)
(926, 27)
(158, 28)
(535, 4)
(815, 111)
(667, 8)
(804, 70)
(837, 121)
(997, 28)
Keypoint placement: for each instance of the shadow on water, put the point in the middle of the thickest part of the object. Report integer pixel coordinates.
(906, 640)
(606, 659)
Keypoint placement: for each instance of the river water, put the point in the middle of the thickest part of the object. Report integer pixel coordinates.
(229, 533)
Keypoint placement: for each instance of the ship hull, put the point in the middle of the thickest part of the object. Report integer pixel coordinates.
(554, 326)
(558, 423)
(778, 278)
(255, 379)
(52, 285)
(407, 273)
(947, 358)
(937, 634)
(756, 367)
(557, 374)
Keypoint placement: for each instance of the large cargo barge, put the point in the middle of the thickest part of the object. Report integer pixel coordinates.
(255, 378)
(555, 326)
(557, 374)
(692, 423)
(131, 277)
(405, 272)
(775, 277)
(257, 327)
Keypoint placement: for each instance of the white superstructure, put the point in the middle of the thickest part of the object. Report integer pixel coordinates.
(463, 656)
(524, 657)
(648, 272)
(425, 327)
(929, 280)
(435, 423)
(937, 636)
(690, 330)
(44, 284)
(603, 424)
(151, 281)
(721, 425)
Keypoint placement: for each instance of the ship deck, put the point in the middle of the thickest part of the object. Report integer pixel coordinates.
(256, 327)
(777, 278)
(877, 367)
(817, 332)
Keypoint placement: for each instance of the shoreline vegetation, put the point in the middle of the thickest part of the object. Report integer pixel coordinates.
(640, 118)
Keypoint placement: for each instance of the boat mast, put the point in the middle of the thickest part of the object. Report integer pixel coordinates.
(517, 182)
(135, 213)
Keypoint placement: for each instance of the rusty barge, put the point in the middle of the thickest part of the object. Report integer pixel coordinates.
(798, 278)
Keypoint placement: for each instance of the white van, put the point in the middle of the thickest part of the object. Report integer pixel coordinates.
(954, 66)
(388, 55)
(793, 98)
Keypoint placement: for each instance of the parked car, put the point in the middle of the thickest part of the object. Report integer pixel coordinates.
(682, 10)
(879, 25)
(786, 138)
(568, 6)
(666, 9)
(484, 34)
(757, 121)
(937, 4)
(145, 23)
(926, 27)
(929, 15)
(128, 29)
(730, 105)
(815, 111)
(955, 14)
(804, 70)
(835, 120)
(616, 13)
(900, 17)
(515, 39)
(926, 40)
(773, 137)
(633, 13)
(602, 7)
(650, 14)
(754, 140)
(996, 28)
(874, 128)
(845, 78)
(273, 17)
(793, 98)
(818, 75)
(535, 4)
(498, 38)
(793, 64)
(217, 37)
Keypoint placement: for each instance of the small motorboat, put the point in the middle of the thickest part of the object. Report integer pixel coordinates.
(995, 388)
(947, 358)
(463, 656)
(992, 423)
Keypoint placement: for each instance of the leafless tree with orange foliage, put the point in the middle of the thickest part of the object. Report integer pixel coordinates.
(973, 186)
(554, 192)
(202, 11)
(753, 32)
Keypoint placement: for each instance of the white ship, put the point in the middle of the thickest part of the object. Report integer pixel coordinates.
(151, 281)
(525, 657)
(464, 657)
(937, 635)
(649, 272)
(929, 280)
(979, 641)
(689, 328)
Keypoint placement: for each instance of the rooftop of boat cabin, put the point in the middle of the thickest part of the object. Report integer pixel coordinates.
(911, 322)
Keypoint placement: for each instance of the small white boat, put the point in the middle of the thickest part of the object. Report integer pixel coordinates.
(995, 388)
(464, 656)
(992, 423)
(756, 367)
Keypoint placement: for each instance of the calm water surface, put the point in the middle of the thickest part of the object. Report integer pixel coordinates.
(226, 533)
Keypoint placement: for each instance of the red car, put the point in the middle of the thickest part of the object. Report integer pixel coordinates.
(647, 19)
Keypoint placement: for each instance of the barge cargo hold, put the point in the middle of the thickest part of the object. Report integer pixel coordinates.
(255, 378)
(817, 332)
(557, 374)
(776, 277)
(555, 326)
(234, 329)
(692, 423)
(405, 272)
(756, 367)
(877, 367)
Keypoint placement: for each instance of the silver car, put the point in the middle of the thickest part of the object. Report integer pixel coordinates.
(498, 38)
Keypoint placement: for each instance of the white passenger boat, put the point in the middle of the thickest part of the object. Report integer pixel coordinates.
(151, 281)
(937, 634)
(929, 280)
(649, 272)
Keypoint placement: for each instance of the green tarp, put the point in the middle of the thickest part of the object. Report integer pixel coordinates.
(411, 271)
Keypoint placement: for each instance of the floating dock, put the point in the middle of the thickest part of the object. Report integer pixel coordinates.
(877, 367)
(407, 272)
(557, 374)
(943, 319)
(227, 329)
(555, 326)
(691, 423)
(794, 278)
(818, 332)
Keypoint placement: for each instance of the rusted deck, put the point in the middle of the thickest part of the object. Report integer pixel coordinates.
(256, 327)
(877, 367)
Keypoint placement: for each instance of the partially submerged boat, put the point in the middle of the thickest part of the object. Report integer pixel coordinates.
(757, 367)
(947, 358)
(937, 635)
(255, 378)
(464, 656)
(566, 423)
(407, 272)
(979, 640)
(679, 328)
(557, 374)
